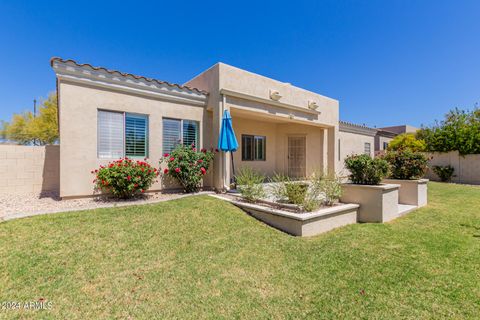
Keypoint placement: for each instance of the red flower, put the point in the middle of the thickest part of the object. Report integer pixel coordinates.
(136, 185)
(143, 191)
(202, 169)
(165, 155)
(200, 161)
(216, 149)
(129, 178)
(204, 150)
(165, 171)
(194, 149)
(177, 170)
(96, 171)
(172, 158)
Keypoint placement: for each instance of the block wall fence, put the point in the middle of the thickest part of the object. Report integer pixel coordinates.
(27, 169)
(467, 168)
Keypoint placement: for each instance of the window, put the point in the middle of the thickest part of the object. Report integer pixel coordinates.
(385, 145)
(176, 131)
(367, 148)
(253, 148)
(122, 134)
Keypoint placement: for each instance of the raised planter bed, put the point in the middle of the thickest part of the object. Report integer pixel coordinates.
(412, 192)
(301, 224)
(378, 203)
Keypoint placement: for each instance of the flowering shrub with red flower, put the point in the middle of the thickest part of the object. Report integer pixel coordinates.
(124, 178)
(187, 165)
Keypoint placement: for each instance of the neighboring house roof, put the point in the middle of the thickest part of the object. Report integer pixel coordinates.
(124, 74)
(404, 128)
(387, 134)
(356, 128)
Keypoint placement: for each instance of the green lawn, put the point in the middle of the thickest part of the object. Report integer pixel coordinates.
(199, 257)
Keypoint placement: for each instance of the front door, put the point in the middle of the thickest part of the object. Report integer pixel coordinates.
(296, 156)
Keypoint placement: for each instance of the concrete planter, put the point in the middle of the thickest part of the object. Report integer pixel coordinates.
(302, 224)
(378, 203)
(412, 192)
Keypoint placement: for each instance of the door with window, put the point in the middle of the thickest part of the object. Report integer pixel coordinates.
(296, 156)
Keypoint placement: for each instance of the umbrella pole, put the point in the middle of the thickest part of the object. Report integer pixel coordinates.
(233, 172)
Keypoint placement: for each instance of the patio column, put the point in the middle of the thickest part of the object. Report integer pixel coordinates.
(332, 149)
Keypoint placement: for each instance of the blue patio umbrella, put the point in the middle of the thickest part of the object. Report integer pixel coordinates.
(227, 141)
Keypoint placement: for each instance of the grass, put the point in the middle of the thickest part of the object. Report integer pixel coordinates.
(199, 257)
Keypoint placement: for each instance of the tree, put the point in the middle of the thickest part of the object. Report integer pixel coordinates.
(406, 141)
(460, 130)
(27, 129)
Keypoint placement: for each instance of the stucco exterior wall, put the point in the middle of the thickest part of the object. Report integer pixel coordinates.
(78, 107)
(352, 143)
(379, 141)
(238, 80)
(467, 168)
(251, 127)
(29, 169)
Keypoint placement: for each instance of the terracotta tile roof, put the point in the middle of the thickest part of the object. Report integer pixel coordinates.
(52, 60)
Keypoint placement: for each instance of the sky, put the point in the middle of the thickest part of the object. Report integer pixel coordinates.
(387, 62)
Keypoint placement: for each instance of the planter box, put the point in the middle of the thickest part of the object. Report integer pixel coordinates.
(378, 203)
(302, 224)
(412, 192)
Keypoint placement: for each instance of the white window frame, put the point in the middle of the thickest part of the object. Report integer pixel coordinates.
(197, 143)
(124, 114)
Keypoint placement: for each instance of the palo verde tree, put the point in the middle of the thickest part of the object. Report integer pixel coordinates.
(42, 129)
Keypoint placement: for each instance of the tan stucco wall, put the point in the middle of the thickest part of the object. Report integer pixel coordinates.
(352, 143)
(252, 84)
(379, 140)
(467, 168)
(78, 106)
(277, 145)
(321, 147)
(28, 169)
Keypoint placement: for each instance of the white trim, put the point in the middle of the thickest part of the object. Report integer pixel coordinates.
(245, 96)
(101, 78)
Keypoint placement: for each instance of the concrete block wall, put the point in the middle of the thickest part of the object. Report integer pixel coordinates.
(467, 168)
(29, 169)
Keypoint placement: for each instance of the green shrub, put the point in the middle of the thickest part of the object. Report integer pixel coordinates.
(445, 173)
(321, 189)
(326, 186)
(365, 170)
(406, 164)
(250, 184)
(124, 178)
(283, 188)
(296, 192)
(187, 165)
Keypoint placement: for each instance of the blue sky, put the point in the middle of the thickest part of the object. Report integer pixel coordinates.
(387, 62)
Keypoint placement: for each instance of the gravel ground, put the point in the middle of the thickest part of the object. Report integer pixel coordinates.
(14, 206)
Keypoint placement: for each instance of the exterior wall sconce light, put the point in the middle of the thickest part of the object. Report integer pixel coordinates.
(312, 105)
(275, 95)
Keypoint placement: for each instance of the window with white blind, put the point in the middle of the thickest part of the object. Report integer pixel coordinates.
(177, 131)
(110, 134)
(122, 134)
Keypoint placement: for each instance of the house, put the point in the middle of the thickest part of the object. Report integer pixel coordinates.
(106, 114)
